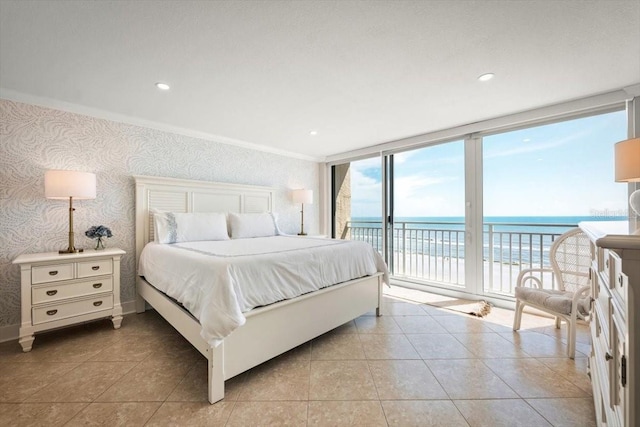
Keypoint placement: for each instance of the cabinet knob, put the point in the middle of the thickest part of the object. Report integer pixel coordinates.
(608, 356)
(97, 285)
(53, 272)
(620, 279)
(97, 303)
(95, 267)
(51, 312)
(606, 263)
(52, 293)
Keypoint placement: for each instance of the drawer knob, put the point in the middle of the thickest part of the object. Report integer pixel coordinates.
(52, 293)
(51, 312)
(97, 285)
(607, 356)
(53, 273)
(95, 268)
(620, 280)
(97, 303)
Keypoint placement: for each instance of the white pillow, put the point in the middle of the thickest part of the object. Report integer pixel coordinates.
(172, 227)
(249, 225)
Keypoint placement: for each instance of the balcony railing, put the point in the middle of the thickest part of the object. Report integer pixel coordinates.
(434, 251)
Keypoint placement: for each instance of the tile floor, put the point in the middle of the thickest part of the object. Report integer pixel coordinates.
(416, 366)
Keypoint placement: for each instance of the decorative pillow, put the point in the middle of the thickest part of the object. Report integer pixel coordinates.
(249, 225)
(171, 227)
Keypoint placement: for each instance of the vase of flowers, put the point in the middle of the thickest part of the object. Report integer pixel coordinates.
(100, 233)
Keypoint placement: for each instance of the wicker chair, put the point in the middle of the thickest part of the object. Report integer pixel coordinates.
(570, 260)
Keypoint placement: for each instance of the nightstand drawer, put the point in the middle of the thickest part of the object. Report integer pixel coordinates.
(94, 268)
(56, 292)
(53, 312)
(51, 273)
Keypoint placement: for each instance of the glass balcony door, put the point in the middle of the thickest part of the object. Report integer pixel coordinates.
(470, 215)
(541, 181)
(426, 215)
(357, 201)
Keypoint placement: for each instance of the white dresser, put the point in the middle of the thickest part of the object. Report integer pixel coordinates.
(615, 325)
(64, 289)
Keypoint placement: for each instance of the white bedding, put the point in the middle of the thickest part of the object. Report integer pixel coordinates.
(219, 280)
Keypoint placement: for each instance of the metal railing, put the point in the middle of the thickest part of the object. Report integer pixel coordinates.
(434, 251)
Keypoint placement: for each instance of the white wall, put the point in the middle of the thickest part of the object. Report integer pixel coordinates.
(34, 139)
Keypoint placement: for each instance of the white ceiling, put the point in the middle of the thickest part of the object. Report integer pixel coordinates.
(360, 73)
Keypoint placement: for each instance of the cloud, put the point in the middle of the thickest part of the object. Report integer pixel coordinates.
(529, 147)
(366, 195)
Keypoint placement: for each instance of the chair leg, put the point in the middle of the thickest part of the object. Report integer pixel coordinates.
(517, 317)
(558, 322)
(571, 329)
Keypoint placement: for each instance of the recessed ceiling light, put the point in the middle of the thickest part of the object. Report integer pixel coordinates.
(526, 140)
(162, 86)
(313, 133)
(486, 77)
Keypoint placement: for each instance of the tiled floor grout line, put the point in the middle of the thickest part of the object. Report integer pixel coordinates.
(538, 412)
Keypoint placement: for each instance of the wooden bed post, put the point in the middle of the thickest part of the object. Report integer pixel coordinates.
(215, 367)
(380, 299)
(141, 304)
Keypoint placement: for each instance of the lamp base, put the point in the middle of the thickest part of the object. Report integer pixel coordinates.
(70, 251)
(634, 202)
(302, 234)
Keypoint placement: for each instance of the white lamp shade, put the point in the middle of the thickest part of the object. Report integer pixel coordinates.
(628, 160)
(62, 184)
(302, 196)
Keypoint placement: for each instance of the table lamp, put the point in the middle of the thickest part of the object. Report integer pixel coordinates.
(627, 154)
(302, 196)
(63, 185)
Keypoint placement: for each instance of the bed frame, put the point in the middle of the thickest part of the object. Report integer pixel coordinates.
(269, 331)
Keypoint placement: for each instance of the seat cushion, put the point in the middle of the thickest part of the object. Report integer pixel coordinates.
(557, 301)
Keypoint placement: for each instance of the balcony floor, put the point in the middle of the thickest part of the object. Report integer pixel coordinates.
(417, 365)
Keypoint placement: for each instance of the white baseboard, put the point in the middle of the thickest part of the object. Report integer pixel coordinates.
(11, 332)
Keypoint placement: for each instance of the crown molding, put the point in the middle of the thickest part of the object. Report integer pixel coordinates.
(55, 104)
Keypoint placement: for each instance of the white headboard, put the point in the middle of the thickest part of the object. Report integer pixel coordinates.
(185, 195)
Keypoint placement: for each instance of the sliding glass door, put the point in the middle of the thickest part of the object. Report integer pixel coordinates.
(427, 214)
(541, 181)
(469, 215)
(357, 201)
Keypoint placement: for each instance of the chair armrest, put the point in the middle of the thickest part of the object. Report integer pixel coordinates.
(580, 293)
(583, 291)
(522, 279)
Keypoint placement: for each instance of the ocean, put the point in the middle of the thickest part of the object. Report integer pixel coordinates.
(521, 240)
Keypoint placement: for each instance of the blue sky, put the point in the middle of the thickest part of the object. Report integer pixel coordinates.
(560, 169)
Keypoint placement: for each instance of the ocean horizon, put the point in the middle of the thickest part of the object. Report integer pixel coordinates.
(569, 219)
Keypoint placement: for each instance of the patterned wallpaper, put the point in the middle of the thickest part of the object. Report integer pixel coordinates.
(34, 139)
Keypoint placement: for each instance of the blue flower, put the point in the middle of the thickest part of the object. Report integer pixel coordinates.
(98, 231)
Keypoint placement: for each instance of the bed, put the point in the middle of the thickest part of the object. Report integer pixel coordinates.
(267, 330)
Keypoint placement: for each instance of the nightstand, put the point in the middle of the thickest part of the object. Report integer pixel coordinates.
(64, 289)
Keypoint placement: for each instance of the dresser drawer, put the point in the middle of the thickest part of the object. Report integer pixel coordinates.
(619, 282)
(55, 292)
(65, 310)
(51, 273)
(601, 329)
(604, 262)
(94, 268)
